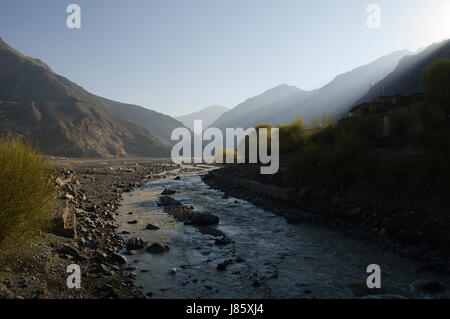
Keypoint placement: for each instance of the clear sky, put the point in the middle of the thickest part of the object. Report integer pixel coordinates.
(177, 57)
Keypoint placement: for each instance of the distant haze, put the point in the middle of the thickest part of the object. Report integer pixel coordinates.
(207, 116)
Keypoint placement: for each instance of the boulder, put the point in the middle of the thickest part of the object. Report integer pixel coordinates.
(168, 201)
(69, 250)
(204, 219)
(167, 192)
(68, 223)
(151, 227)
(135, 243)
(118, 259)
(157, 248)
(222, 241)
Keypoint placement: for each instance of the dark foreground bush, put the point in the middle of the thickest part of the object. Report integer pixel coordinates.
(27, 195)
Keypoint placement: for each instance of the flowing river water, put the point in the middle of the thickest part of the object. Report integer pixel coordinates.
(271, 258)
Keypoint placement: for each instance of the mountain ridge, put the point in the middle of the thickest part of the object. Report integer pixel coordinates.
(208, 115)
(405, 79)
(65, 119)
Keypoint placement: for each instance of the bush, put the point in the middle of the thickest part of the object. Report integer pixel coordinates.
(293, 136)
(27, 194)
(323, 121)
(436, 84)
(222, 154)
(308, 162)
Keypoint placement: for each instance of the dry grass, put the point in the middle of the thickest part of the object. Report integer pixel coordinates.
(27, 195)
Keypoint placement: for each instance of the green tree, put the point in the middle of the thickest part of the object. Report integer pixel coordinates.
(323, 121)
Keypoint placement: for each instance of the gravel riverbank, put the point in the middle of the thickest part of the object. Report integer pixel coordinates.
(84, 233)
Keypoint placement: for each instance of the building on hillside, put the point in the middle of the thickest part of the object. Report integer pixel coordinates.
(382, 107)
(384, 104)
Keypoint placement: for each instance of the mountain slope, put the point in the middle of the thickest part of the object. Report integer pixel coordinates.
(243, 115)
(333, 98)
(63, 118)
(340, 93)
(406, 78)
(207, 115)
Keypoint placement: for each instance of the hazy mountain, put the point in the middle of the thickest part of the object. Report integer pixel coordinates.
(406, 78)
(284, 104)
(207, 115)
(63, 118)
(245, 113)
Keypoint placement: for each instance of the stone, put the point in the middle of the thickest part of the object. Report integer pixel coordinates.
(167, 192)
(157, 248)
(135, 243)
(68, 223)
(168, 201)
(223, 266)
(222, 241)
(151, 227)
(69, 250)
(203, 219)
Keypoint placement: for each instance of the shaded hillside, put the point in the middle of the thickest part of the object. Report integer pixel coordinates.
(159, 124)
(207, 115)
(63, 118)
(291, 103)
(406, 78)
(245, 113)
(337, 95)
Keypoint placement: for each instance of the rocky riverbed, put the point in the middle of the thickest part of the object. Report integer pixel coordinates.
(238, 250)
(84, 233)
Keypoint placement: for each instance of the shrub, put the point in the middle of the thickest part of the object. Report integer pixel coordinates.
(27, 194)
(222, 154)
(323, 121)
(436, 84)
(293, 136)
(308, 162)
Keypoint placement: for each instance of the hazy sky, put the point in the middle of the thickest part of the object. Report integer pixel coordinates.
(179, 56)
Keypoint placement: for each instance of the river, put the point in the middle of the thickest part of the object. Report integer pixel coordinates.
(270, 258)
